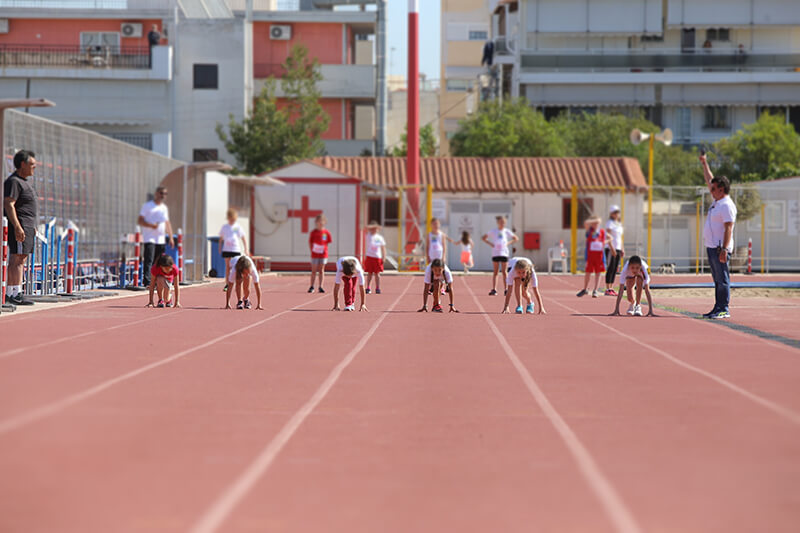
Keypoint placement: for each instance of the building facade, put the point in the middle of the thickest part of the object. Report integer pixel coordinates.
(702, 68)
(97, 65)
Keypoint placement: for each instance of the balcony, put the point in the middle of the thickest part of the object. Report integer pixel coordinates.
(338, 81)
(90, 62)
(349, 147)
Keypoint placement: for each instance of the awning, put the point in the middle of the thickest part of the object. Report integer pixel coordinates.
(106, 122)
(252, 181)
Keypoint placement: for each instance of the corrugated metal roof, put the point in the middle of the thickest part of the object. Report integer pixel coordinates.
(504, 174)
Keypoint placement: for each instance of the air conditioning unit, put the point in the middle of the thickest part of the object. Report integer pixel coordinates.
(3, 25)
(280, 33)
(131, 29)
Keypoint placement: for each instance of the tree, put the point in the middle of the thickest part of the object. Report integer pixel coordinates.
(427, 143)
(765, 150)
(510, 129)
(748, 202)
(280, 132)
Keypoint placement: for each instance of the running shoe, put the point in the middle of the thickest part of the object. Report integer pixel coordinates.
(18, 299)
(247, 304)
(350, 308)
(240, 305)
(430, 291)
(637, 311)
(366, 290)
(595, 294)
(320, 290)
(710, 314)
(437, 309)
(311, 289)
(720, 314)
(610, 292)
(583, 292)
(160, 303)
(169, 303)
(377, 291)
(493, 293)
(529, 309)
(444, 291)
(518, 310)
(631, 309)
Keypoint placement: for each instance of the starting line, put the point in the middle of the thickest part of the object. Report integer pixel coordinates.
(734, 285)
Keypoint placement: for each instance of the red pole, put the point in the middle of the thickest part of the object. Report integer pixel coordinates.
(137, 248)
(5, 261)
(70, 256)
(180, 255)
(750, 256)
(412, 160)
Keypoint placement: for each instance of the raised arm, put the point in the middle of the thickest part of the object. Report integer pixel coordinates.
(707, 174)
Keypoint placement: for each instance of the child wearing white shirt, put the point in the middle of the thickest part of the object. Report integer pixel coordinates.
(375, 253)
(500, 239)
(521, 278)
(232, 241)
(349, 273)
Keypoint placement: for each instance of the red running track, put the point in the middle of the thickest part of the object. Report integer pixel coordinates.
(119, 418)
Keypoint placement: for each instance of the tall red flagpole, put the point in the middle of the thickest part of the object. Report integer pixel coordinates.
(412, 161)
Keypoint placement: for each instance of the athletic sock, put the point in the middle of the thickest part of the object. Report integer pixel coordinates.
(13, 290)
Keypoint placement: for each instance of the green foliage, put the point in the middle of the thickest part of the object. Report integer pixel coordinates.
(510, 129)
(765, 150)
(277, 134)
(748, 202)
(427, 143)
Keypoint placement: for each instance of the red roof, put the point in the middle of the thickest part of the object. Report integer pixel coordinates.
(503, 174)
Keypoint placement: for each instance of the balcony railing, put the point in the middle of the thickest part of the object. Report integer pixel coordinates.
(65, 56)
(658, 60)
(159, 5)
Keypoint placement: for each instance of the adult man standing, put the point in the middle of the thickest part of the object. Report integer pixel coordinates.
(718, 239)
(20, 207)
(154, 220)
(153, 39)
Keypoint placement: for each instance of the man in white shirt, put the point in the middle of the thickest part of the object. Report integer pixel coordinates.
(154, 221)
(718, 239)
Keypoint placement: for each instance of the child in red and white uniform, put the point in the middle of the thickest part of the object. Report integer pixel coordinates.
(349, 273)
(437, 276)
(521, 278)
(318, 242)
(243, 270)
(164, 276)
(635, 275)
(376, 251)
(596, 240)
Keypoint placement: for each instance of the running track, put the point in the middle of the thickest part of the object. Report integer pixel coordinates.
(297, 419)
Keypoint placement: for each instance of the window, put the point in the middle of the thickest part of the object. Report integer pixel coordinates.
(585, 209)
(458, 85)
(683, 123)
(205, 154)
(716, 117)
(478, 35)
(652, 38)
(142, 140)
(206, 76)
(390, 217)
(774, 216)
(100, 40)
(718, 34)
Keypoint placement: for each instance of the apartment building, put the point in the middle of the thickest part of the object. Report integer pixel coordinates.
(700, 67)
(465, 30)
(94, 60)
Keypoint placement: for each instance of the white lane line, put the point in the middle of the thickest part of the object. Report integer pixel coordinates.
(780, 410)
(215, 515)
(619, 514)
(50, 409)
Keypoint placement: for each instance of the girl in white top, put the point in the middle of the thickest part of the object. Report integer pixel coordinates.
(635, 273)
(499, 239)
(435, 245)
(613, 249)
(349, 273)
(437, 276)
(243, 270)
(520, 280)
(232, 241)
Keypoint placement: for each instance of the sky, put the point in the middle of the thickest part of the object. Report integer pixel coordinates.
(429, 41)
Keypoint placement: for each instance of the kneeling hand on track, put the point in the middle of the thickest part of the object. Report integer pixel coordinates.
(259, 308)
(228, 306)
(453, 309)
(505, 311)
(363, 308)
(336, 308)
(615, 313)
(149, 305)
(651, 313)
(541, 311)
(424, 309)
(177, 305)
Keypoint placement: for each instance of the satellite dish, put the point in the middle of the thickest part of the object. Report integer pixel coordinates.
(665, 137)
(637, 136)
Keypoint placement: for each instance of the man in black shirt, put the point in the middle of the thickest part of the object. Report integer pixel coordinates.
(20, 207)
(153, 39)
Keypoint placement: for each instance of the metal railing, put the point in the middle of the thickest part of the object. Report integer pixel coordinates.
(159, 5)
(36, 56)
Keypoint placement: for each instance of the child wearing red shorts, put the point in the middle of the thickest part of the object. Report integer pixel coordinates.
(376, 251)
(596, 240)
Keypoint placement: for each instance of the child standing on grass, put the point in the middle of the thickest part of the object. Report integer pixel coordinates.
(243, 270)
(466, 250)
(318, 241)
(636, 274)
(349, 274)
(437, 276)
(596, 240)
(376, 251)
(164, 276)
(232, 241)
(521, 278)
(499, 239)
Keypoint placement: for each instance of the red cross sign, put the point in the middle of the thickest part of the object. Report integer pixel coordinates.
(304, 213)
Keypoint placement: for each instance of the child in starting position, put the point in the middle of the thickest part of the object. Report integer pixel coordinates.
(232, 241)
(242, 271)
(349, 273)
(437, 275)
(164, 276)
(635, 273)
(376, 251)
(318, 241)
(521, 278)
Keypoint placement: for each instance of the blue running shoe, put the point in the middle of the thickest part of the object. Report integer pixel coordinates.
(529, 309)
(519, 310)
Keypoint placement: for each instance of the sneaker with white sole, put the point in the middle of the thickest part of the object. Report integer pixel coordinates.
(720, 314)
(631, 309)
(247, 304)
(637, 311)
(240, 305)
(595, 294)
(582, 293)
(529, 309)
(350, 308)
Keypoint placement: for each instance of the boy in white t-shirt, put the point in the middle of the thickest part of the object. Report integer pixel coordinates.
(437, 276)
(349, 273)
(500, 239)
(232, 241)
(375, 253)
(635, 275)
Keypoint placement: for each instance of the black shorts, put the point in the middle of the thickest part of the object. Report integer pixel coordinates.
(500, 259)
(24, 248)
(231, 254)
